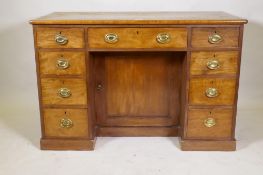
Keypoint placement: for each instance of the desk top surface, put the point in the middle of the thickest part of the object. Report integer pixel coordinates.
(151, 18)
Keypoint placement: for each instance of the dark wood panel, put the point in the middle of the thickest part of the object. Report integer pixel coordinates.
(137, 131)
(136, 93)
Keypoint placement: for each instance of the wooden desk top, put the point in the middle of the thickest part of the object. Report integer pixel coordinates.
(175, 18)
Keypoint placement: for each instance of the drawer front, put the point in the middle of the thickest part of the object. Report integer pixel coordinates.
(214, 123)
(215, 37)
(60, 37)
(65, 122)
(137, 37)
(64, 91)
(208, 63)
(212, 91)
(62, 63)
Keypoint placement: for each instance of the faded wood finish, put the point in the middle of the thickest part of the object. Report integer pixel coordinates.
(50, 87)
(52, 122)
(145, 18)
(226, 88)
(46, 37)
(48, 63)
(222, 129)
(137, 86)
(137, 37)
(230, 37)
(227, 63)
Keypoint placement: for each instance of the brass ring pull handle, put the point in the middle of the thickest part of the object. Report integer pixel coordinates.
(62, 63)
(111, 38)
(209, 122)
(61, 39)
(163, 38)
(213, 64)
(64, 92)
(211, 92)
(215, 38)
(66, 123)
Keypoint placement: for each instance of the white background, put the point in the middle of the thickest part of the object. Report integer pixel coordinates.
(19, 118)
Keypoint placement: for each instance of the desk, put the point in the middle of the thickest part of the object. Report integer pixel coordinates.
(138, 74)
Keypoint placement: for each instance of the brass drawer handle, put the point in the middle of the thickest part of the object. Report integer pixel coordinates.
(111, 38)
(66, 123)
(209, 122)
(62, 63)
(163, 38)
(213, 64)
(64, 92)
(61, 39)
(215, 38)
(211, 92)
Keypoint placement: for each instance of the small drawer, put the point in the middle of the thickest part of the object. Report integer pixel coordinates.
(137, 37)
(63, 91)
(61, 63)
(212, 91)
(215, 37)
(65, 123)
(60, 37)
(208, 63)
(211, 123)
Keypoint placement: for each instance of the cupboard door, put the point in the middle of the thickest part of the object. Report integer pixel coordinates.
(138, 89)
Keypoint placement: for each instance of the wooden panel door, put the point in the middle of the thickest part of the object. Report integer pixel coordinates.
(138, 89)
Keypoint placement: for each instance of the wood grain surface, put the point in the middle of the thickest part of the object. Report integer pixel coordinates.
(227, 63)
(50, 87)
(200, 37)
(52, 119)
(139, 18)
(196, 128)
(137, 93)
(46, 37)
(137, 37)
(67, 144)
(226, 88)
(208, 145)
(48, 63)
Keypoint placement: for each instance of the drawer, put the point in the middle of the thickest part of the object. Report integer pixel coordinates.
(60, 37)
(65, 122)
(208, 63)
(215, 37)
(212, 91)
(63, 91)
(62, 63)
(137, 37)
(213, 123)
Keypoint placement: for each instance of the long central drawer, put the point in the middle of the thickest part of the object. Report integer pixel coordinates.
(137, 37)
